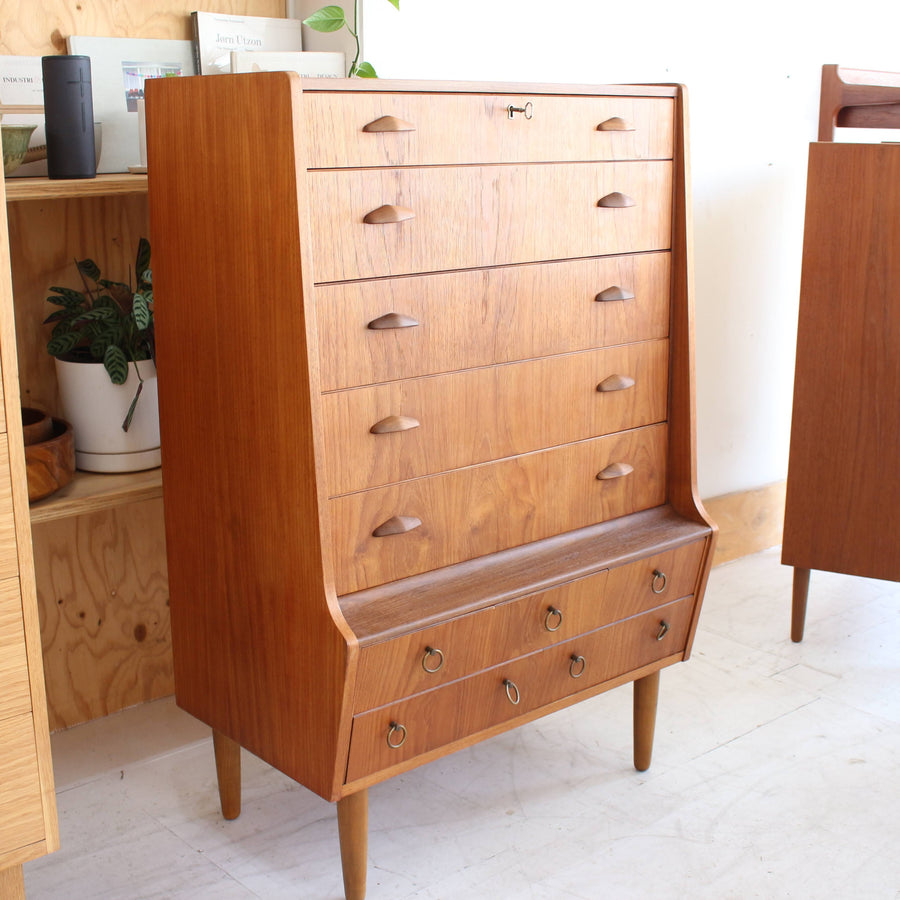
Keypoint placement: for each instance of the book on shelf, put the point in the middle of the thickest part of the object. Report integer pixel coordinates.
(309, 63)
(119, 68)
(215, 35)
(22, 84)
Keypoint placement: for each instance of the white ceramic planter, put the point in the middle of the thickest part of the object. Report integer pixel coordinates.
(96, 408)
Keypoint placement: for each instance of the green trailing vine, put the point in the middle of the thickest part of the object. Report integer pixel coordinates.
(332, 18)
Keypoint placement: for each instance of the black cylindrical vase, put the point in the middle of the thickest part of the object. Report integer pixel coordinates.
(69, 116)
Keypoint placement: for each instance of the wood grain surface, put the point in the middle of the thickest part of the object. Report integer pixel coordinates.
(486, 414)
(103, 595)
(496, 215)
(561, 129)
(487, 316)
(482, 509)
(842, 509)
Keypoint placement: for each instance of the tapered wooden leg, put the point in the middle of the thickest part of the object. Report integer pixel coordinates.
(798, 608)
(353, 829)
(12, 883)
(228, 771)
(646, 693)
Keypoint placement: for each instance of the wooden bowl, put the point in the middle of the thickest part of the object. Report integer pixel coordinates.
(50, 464)
(37, 426)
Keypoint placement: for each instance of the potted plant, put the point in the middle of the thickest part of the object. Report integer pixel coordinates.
(332, 18)
(103, 345)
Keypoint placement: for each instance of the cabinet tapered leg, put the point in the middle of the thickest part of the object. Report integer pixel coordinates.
(798, 607)
(353, 829)
(646, 693)
(12, 883)
(228, 772)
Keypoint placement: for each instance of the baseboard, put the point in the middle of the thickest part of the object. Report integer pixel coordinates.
(748, 521)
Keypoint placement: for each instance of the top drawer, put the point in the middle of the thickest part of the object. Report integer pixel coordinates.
(399, 129)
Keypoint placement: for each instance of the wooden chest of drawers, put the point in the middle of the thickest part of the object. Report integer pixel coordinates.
(426, 402)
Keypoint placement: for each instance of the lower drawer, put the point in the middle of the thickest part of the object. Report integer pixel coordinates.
(15, 691)
(433, 719)
(442, 653)
(21, 808)
(390, 533)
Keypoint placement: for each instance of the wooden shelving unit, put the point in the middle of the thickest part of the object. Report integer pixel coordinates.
(62, 189)
(88, 493)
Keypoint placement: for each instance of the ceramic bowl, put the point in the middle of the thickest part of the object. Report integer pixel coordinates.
(15, 145)
(50, 464)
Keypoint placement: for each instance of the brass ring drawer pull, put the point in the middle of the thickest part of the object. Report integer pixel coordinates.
(396, 736)
(527, 110)
(577, 663)
(439, 660)
(658, 585)
(512, 692)
(663, 629)
(553, 619)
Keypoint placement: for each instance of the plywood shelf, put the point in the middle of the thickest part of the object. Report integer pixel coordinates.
(64, 189)
(89, 492)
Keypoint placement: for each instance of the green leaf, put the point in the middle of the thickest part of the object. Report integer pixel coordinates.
(116, 365)
(328, 18)
(366, 70)
(395, 3)
(61, 344)
(142, 262)
(126, 424)
(140, 309)
(59, 316)
(67, 297)
(89, 268)
(98, 314)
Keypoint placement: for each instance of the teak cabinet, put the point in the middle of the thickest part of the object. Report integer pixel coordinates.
(28, 826)
(426, 397)
(842, 509)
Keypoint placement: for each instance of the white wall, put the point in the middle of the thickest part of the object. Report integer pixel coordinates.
(752, 73)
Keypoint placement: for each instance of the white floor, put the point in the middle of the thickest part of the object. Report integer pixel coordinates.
(776, 774)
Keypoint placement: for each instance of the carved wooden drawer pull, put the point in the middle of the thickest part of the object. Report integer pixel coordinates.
(615, 383)
(512, 692)
(615, 470)
(396, 736)
(658, 585)
(394, 423)
(388, 123)
(615, 123)
(433, 660)
(397, 525)
(663, 630)
(553, 619)
(577, 665)
(392, 320)
(388, 215)
(616, 200)
(612, 293)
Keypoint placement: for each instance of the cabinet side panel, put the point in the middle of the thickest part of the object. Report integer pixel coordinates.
(259, 652)
(842, 510)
